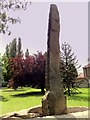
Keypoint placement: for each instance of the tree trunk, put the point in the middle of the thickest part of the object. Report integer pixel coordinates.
(69, 91)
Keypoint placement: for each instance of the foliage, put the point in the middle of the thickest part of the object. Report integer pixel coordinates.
(5, 7)
(39, 70)
(12, 50)
(29, 71)
(27, 53)
(19, 47)
(68, 68)
(5, 68)
(1, 76)
(7, 51)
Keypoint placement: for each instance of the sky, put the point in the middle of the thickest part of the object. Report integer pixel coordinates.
(34, 27)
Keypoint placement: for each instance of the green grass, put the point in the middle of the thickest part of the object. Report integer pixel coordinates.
(80, 99)
(20, 99)
(28, 97)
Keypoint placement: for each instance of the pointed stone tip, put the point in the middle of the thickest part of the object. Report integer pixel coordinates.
(53, 6)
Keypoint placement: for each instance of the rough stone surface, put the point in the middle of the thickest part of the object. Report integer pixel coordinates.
(73, 112)
(54, 101)
(11, 118)
(37, 109)
(17, 116)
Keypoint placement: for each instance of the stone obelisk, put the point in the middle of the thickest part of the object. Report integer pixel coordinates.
(53, 102)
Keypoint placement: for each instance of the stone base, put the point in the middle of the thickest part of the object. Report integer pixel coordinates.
(73, 112)
(53, 104)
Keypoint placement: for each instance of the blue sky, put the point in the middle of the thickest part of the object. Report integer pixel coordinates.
(34, 25)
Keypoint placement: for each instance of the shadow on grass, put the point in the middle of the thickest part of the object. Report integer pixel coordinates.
(3, 99)
(78, 98)
(28, 94)
(11, 90)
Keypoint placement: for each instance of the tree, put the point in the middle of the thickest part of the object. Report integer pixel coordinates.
(13, 48)
(27, 53)
(39, 70)
(68, 67)
(5, 68)
(10, 52)
(16, 66)
(19, 47)
(28, 71)
(1, 76)
(5, 7)
(7, 51)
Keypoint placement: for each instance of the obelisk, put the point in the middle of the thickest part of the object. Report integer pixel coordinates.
(54, 101)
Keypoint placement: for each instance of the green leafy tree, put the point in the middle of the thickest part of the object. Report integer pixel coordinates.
(68, 67)
(19, 47)
(7, 51)
(5, 68)
(5, 7)
(27, 53)
(13, 48)
(1, 76)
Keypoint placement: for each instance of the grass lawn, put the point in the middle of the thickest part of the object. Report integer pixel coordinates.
(20, 99)
(27, 97)
(80, 99)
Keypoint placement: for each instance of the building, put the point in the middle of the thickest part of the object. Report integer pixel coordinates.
(86, 70)
(80, 76)
(82, 81)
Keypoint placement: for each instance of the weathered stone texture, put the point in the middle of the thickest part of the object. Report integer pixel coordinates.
(54, 101)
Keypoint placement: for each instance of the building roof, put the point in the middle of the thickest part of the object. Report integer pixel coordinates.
(87, 66)
(80, 76)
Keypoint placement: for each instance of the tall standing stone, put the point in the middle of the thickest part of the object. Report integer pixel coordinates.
(54, 102)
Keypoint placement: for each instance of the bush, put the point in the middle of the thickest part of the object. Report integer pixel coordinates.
(4, 83)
